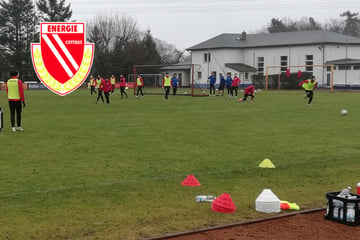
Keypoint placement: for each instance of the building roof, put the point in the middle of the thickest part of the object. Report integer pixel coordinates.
(344, 61)
(241, 67)
(234, 40)
(178, 66)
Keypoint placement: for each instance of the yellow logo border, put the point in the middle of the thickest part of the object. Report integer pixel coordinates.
(73, 83)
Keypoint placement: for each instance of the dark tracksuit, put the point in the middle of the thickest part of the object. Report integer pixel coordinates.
(122, 88)
(100, 91)
(174, 81)
(228, 84)
(212, 79)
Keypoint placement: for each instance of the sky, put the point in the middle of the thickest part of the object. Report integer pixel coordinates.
(185, 23)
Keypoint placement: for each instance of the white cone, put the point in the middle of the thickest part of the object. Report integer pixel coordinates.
(267, 202)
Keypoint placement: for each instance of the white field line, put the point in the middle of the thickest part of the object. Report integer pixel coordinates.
(66, 51)
(57, 55)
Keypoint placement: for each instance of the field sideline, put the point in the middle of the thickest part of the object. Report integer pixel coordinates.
(82, 170)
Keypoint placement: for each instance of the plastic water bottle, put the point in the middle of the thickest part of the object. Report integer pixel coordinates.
(204, 198)
(350, 213)
(336, 212)
(345, 193)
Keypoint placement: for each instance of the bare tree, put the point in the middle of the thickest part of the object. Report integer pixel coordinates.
(126, 30)
(119, 45)
(335, 25)
(168, 52)
(308, 23)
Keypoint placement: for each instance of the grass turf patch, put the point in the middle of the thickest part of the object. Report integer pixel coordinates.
(84, 171)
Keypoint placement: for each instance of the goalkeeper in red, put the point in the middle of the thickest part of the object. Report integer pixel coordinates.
(249, 92)
(309, 85)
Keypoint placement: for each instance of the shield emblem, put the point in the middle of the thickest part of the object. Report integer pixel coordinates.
(62, 60)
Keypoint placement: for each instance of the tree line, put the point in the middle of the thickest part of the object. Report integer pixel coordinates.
(119, 43)
(349, 24)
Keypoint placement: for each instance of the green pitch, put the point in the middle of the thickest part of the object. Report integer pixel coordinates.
(90, 171)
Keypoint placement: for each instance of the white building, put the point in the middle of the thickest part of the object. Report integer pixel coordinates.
(252, 55)
(182, 70)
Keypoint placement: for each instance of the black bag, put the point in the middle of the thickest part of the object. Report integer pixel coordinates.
(1, 119)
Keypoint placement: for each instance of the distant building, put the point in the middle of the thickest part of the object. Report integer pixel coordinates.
(183, 71)
(251, 54)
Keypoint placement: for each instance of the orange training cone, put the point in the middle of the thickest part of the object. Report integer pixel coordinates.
(191, 181)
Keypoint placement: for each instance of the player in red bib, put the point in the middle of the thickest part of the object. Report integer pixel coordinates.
(122, 86)
(249, 92)
(106, 86)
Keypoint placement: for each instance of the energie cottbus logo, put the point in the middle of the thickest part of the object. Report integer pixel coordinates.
(62, 60)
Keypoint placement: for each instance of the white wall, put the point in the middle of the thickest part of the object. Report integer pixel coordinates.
(185, 77)
(347, 77)
(333, 52)
(217, 64)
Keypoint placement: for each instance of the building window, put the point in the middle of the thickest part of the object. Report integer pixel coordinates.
(261, 65)
(328, 68)
(309, 62)
(283, 63)
(356, 67)
(246, 76)
(207, 57)
(344, 67)
(199, 75)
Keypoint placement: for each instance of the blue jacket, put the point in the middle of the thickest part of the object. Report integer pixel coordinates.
(175, 81)
(222, 80)
(212, 79)
(228, 81)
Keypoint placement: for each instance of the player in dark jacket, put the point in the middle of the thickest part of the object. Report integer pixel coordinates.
(174, 82)
(212, 79)
(222, 85)
(228, 84)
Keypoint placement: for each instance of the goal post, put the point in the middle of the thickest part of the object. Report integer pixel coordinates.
(288, 77)
(153, 75)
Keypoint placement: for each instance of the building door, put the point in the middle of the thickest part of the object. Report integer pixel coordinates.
(180, 80)
(328, 79)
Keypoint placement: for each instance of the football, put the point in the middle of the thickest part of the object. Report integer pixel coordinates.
(343, 112)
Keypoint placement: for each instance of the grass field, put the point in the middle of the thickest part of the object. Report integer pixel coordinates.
(93, 171)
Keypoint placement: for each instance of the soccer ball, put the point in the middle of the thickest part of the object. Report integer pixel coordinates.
(343, 112)
(126, 88)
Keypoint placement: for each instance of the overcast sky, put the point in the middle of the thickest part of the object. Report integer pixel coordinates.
(185, 23)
